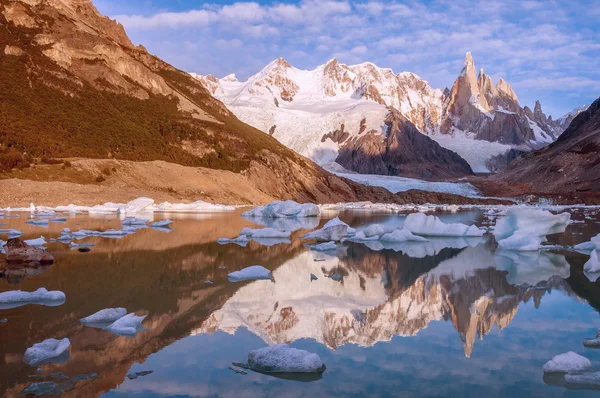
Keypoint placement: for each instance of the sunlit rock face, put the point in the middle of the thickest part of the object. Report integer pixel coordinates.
(378, 299)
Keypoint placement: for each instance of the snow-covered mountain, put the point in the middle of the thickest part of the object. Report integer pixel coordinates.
(307, 109)
(568, 117)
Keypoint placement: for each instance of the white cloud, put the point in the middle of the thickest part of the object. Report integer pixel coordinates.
(551, 44)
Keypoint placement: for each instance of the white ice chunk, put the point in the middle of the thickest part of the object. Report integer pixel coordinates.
(134, 221)
(128, 325)
(422, 224)
(323, 247)
(17, 298)
(47, 349)
(593, 264)
(43, 222)
(530, 221)
(139, 205)
(198, 206)
(337, 221)
(250, 273)
(374, 230)
(108, 315)
(593, 244)
(282, 358)
(289, 208)
(161, 223)
(402, 235)
(59, 219)
(36, 242)
(569, 362)
(336, 233)
(521, 242)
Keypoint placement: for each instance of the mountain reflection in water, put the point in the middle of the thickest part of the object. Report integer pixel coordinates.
(385, 291)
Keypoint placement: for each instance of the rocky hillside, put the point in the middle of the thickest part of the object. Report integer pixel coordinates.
(570, 164)
(403, 151)
(73, 85)
(304, 109)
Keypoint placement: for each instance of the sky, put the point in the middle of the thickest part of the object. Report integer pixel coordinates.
(546, 49)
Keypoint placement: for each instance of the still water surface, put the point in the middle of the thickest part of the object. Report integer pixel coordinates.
(449, 318)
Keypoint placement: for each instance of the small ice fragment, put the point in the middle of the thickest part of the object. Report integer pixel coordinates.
(108, 315)
(47, 349)
(253, 272)
(568, 362)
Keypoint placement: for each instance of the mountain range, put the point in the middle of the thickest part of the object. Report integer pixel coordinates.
(326, 112)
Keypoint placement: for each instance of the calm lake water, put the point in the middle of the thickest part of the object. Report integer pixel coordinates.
(448, 318)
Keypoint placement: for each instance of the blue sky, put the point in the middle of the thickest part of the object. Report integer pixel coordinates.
(547, 50)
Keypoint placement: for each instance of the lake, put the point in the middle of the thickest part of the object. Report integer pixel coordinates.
(445, 318)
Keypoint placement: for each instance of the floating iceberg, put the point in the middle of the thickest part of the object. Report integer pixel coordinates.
(128, 325)
(592, 266)
(198, 206)
(134, 221)
(282, 358)
(525, 229)
(569, 362)
(36, 242)
(371, 233)
(264, 236)
(12, 233)
(47, 349)
(286, 224)
(324, 247)
(335, 232)
(161, 223)
(77, 245)
(530, 221)
(253, 272)
(593, 244)
(108, 315)
(139, 205)
(422, 224)
(17, 298)
(40, 223)
(289, 208)
(59, 220)
(402, 235)
(336, 221)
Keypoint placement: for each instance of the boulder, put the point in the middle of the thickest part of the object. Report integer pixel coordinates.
(18, 252)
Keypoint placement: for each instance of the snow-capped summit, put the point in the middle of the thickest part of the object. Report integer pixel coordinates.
(307, 109)
(568, 117)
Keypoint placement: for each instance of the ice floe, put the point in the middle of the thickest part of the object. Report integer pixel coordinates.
(40, 223)
(324, 247)
(592, 267)
(334, 232)
(525, 229)
(422, 224)
(161, 223)
(568, 362)
(253, 272)
(402, 235)
(289, 208)
(282, 358)
(134, 221)
(45, 351)
(108, 315)
(139, 205)
(17, 298)
(263, 236)
(36, 242)
(127, 325)
(592, 244)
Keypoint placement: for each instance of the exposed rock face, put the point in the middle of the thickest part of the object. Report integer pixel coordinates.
(18, 252)
(404, 151)
(570, 164)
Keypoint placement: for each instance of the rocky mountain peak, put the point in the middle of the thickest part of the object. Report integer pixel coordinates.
(230, 78)
(504, 89)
